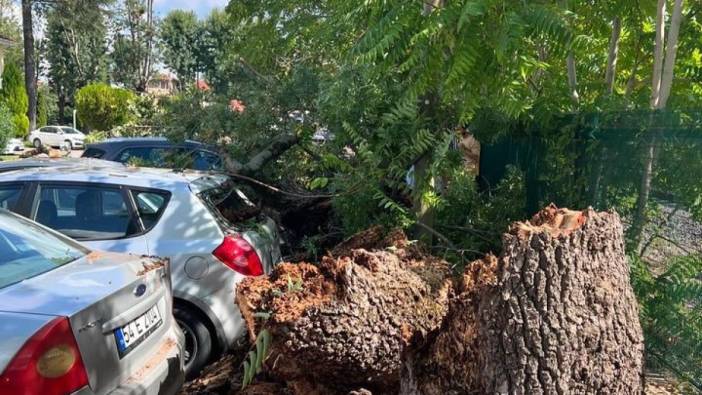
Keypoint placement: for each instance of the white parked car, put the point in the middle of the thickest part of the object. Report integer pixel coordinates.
(57, 136)
(175, 215)
(14, 147)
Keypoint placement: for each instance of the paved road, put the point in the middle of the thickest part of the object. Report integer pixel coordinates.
(76, 153)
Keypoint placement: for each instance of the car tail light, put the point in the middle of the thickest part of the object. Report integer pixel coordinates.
(49, 363)
(239, 255)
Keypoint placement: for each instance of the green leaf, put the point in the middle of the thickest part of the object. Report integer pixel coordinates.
(247, 371)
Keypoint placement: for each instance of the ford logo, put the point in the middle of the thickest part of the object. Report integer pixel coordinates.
(140, 290)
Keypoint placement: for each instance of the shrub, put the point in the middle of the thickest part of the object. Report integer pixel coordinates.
(20, 123)
(15, 99)
(95, 137)
(7, 127)
(102, 107)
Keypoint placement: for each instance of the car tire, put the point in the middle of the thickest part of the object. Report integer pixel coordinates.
(198, 341)
(68, 145)
(36, 143)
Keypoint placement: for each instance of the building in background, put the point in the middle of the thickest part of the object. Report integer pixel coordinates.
(162, 84)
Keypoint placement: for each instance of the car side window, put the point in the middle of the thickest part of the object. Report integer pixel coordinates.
(150, 205)
(9, 196)
(203, 160)
(85, 212)
(48, 129)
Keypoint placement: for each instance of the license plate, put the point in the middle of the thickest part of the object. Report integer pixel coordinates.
(132, 334)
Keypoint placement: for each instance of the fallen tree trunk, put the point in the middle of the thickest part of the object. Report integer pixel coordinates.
(553, 314)
(345, 324)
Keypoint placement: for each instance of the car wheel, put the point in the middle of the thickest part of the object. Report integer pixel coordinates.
(198, 341)
(37, 143)
(68, 145)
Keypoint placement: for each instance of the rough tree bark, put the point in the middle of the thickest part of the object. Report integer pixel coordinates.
(555, 313)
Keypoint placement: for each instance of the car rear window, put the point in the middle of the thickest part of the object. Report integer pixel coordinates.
(27, 250)
(229, 204)
(93, 153)
(150, 206)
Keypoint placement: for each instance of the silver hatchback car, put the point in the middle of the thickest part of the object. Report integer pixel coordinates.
(158, 212)
(73, 321)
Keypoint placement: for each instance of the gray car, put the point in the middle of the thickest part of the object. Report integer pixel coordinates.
(185, 216)
(74, 321)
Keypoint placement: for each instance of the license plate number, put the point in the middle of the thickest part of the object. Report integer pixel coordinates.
(132, 334)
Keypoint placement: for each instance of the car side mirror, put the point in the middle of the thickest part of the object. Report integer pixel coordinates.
(60, 132)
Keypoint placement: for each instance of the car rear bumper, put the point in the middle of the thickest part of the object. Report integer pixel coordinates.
(161, 374)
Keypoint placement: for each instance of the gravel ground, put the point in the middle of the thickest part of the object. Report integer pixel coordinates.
(673, 233)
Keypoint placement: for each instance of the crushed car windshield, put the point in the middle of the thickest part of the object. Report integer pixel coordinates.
(27, 250)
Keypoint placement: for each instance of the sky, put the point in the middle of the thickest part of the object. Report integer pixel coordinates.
(201, 7)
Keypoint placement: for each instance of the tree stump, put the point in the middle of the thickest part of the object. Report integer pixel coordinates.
(555, 313)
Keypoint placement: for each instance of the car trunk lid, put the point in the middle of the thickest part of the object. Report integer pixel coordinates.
(102, 293)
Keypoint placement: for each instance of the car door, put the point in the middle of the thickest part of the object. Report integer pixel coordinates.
(49, 136)
(101, 216)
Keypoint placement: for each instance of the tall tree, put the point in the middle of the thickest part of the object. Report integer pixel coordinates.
(30, 81)
(134, 44)
(215, 39)
(11, 28)
(180, 34)
(76, 46)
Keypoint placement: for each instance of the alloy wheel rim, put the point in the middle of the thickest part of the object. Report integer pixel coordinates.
(190, 344)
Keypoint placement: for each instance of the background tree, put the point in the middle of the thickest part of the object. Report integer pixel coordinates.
(14, 97)
(11, 28)
(213, 52)
(134, 44)
(180, 34)
(76, 47)
(46, 106)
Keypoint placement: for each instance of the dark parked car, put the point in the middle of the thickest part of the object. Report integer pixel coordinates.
(156, 152)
